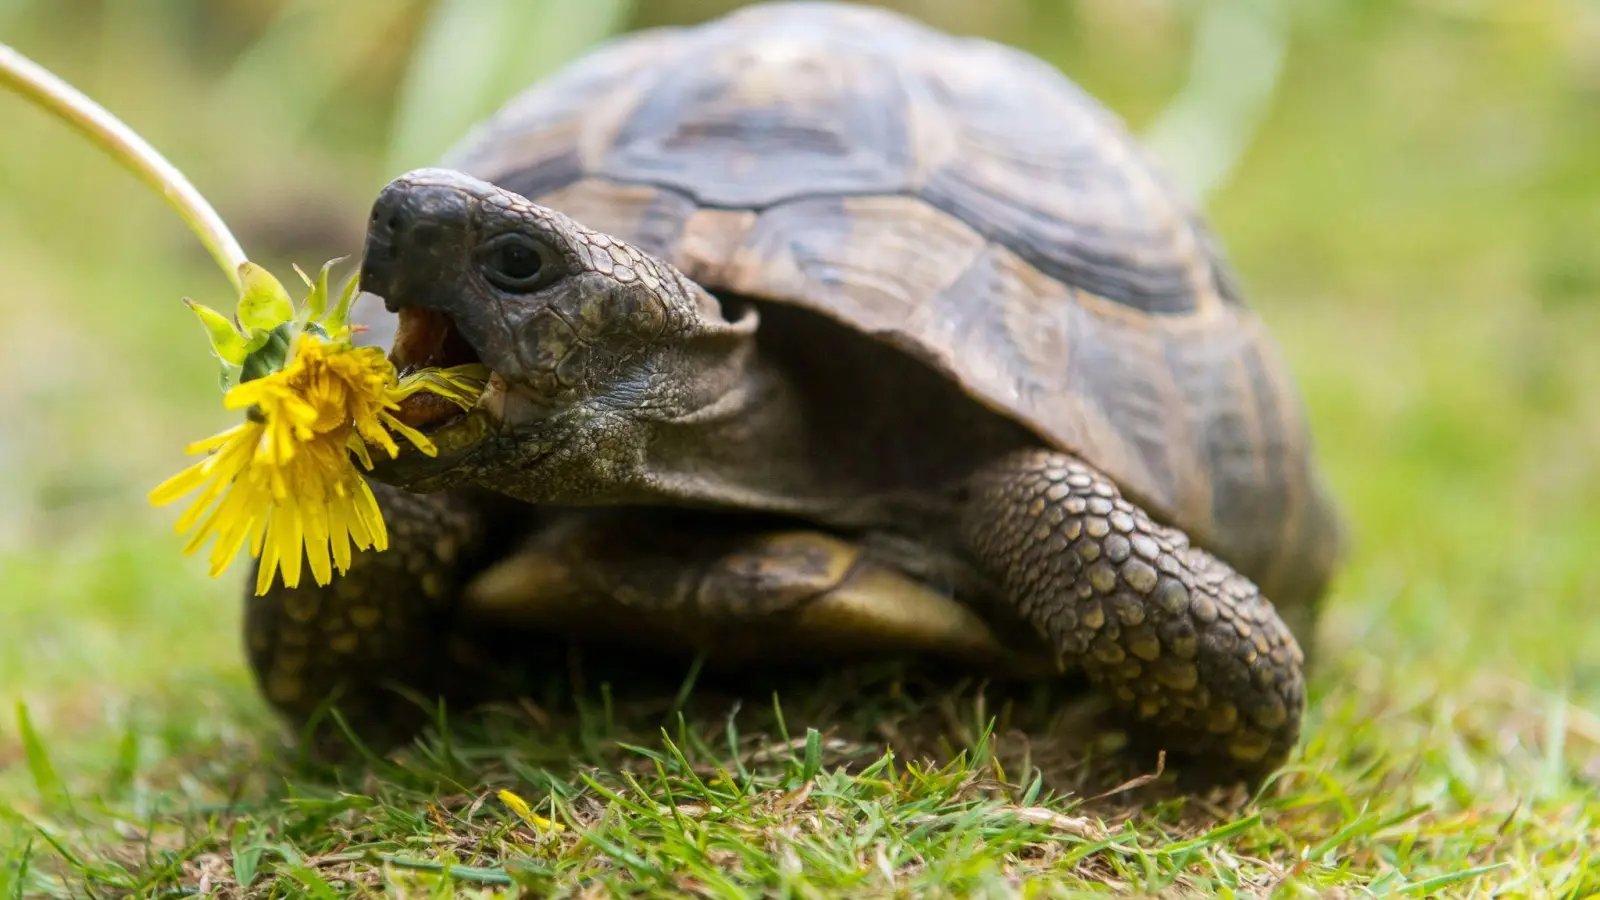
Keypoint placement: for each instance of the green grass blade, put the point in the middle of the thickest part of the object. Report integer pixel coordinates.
(314, 883)
(52, 790)
(633, 861)
(1362, 826)
(1429, 885)
(246, 851)
(1214, 836)
(126, 765)
(14, 877)
(478, 874)
(813, 759)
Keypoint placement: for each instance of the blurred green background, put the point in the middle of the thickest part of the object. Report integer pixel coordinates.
(1410, 189)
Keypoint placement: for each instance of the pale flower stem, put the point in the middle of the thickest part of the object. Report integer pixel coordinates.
(110, 134)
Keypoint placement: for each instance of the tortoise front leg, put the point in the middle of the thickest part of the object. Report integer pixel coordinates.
(1189, 649)
(378, 627)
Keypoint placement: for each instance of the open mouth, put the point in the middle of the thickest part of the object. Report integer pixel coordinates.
(426, 338)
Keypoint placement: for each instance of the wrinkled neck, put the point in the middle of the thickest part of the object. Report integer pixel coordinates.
(736, 435)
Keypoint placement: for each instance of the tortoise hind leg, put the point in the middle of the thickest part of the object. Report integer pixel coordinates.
(377, 628)
(1189, 649)
(731, 591)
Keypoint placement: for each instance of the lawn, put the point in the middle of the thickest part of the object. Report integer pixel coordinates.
(1415, 219)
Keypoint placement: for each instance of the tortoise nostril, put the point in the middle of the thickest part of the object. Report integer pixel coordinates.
(414, 231)
(391, 215)
(388, 223)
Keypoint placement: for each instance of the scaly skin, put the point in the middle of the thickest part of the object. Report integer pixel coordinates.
(377, 627)
(631, 388)
(414, 618)
(693, 583)
(1190, 649)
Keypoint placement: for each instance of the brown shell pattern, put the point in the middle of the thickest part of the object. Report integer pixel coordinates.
(957, 198)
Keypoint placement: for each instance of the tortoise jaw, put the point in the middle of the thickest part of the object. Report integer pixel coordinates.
(458, 442)
(428, 339)
(417, 236)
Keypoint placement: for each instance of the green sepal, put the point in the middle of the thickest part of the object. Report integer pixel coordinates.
(272, 355)
(338, 319)
(228, 377)
(263, 303)
(258, 338)
(257, 342)
(317, 300)
(226, 342)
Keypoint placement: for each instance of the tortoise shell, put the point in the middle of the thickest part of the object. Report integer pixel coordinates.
(965, 203)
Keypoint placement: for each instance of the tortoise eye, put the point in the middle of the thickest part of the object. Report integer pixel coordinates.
(518, 263)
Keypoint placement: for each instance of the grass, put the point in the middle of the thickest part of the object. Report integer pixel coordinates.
(1417, 230)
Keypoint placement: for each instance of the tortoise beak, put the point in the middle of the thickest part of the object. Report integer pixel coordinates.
(406, 261)
(411, 235)
(418, 258)
(416, 244)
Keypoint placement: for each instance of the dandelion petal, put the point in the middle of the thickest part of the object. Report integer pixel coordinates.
(285, 482)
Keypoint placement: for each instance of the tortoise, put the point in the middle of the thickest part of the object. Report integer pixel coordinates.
(816, 333)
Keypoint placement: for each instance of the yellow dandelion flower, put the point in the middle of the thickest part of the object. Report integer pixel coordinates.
(285, 479)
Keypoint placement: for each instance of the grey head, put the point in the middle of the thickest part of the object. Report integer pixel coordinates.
(593, 345)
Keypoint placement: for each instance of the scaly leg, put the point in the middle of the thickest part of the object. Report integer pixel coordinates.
(378, 627)
(432, 616)
(1189, 649)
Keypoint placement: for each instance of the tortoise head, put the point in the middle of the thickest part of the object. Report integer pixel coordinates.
(588, 339)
